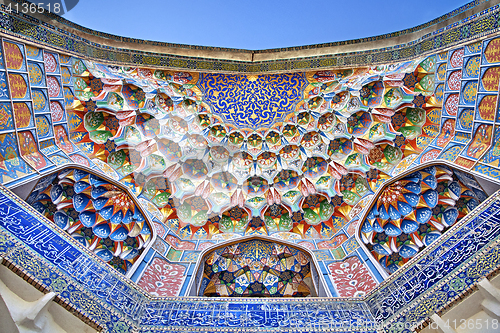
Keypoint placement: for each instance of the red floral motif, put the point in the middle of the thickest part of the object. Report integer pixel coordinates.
(487, 107)
(332, 243)
(54, 86)
(447, 133)
(205, 245)
(430, 155)
(57, 111)
(160, 230)
(351, 229)
(376, 154)
(50, 63)
(451, 104)
(457, 59)
(162, 278)
(491, 78)
(307, 245)
(79, 159)
(29, 150)
(351, 278)
(22, 115)
(145, 73)
(454, 80)
(62, 140)
(178, 244)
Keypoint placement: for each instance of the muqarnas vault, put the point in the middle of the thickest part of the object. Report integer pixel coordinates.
(335, 191)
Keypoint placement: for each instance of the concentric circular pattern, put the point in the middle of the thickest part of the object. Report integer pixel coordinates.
(99, 215)
(411, 213)
(287, 179)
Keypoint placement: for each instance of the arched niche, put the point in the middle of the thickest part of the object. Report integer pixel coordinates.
(257, 266)
(414, 209)
(97, 211)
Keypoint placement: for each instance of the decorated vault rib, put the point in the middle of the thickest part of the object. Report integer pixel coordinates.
(294, 175)
(411, 213)
(99, 215)
(257, 268)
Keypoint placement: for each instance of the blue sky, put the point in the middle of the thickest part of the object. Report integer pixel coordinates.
(255, 24)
